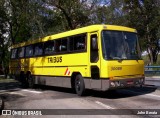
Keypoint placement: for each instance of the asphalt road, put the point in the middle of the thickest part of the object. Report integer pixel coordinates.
(45, 97)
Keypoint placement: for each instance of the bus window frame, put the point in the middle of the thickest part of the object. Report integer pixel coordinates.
(68, 51)
(68, 46)
(81, 50)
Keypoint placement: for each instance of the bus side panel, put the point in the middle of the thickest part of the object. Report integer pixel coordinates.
(65, 65)
(57, 69)
(33, 65)
(16, 67)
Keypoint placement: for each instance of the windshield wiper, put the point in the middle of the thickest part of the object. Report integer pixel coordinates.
(120, 59)
(116, 58)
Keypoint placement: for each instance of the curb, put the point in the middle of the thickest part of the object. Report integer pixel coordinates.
(155, 77)
(152, 78)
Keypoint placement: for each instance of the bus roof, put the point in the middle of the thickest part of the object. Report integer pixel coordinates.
(91, 28)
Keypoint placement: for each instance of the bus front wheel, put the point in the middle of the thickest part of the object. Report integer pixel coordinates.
(79, 85)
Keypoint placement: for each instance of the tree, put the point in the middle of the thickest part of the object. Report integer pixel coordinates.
(4, 39)
(27, 19)
(18, 20)
(71, 13)
(145, 17)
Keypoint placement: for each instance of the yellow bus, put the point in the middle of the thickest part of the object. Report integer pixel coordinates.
(101, 57)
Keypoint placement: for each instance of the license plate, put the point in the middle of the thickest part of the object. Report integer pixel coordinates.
(129, 82)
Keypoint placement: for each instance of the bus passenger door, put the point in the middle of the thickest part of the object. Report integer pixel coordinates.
(94, 61)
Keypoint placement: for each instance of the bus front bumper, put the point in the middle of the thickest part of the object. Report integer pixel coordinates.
(122, 83)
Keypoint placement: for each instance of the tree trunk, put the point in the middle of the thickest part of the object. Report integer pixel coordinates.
(153, 55)
(68, 18)
(4, 69)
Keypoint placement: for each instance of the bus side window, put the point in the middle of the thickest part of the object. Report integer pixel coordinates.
(63, 45)
(80, 42)
(14, 53)
(49, 47)
(77, 43)
(21, 52)
(29, 51)
(38, 49)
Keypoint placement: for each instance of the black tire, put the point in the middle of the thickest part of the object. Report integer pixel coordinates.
(30, 81)
(79, 85)
(23, 80)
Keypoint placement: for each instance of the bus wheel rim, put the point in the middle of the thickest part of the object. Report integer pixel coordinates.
(78, 84)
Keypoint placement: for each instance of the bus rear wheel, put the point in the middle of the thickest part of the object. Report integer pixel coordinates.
(79, 85)
(30, 81)
(23, 80)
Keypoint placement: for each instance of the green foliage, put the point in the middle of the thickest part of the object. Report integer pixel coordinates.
(4, 40)
(147, 60)
(144, 16)
(31, 19)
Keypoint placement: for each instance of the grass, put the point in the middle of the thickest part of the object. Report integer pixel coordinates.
(152, 74)
(147, 61)
(4, 80)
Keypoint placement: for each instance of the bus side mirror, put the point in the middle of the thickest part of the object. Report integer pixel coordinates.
(94, 44)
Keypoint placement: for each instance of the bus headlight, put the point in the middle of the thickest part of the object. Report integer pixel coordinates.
(113, 84)
(141, 81)
(117, 83)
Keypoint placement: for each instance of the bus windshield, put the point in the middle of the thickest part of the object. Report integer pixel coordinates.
(120, 45)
